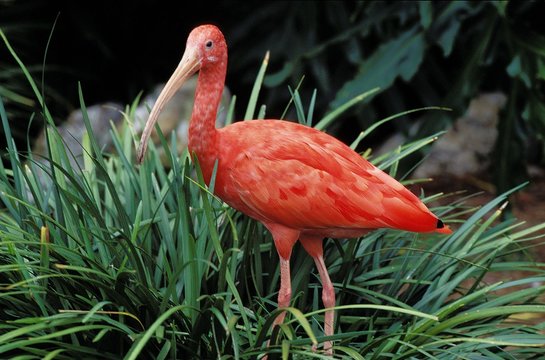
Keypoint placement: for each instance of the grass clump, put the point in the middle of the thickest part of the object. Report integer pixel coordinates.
(113, 260)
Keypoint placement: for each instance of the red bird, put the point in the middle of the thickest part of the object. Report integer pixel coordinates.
(301, 183)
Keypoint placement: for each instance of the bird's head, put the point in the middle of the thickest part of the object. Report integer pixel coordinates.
(205, 46)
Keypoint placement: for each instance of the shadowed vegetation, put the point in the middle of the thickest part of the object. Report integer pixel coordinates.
(114, 260)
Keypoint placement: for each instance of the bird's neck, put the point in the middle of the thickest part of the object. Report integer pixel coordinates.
(202, 139)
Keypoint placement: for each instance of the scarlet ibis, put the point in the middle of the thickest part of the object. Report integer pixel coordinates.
(300, 183)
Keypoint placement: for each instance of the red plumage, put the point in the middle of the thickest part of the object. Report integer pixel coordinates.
(301, 183)
(310, 181)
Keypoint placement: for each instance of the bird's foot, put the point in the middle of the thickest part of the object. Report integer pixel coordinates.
(328, 348)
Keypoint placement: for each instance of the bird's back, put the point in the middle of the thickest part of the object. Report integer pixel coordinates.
(285, 173)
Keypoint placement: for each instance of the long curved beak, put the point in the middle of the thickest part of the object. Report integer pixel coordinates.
(189, 65)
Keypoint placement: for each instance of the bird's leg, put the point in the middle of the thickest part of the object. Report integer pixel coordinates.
(284, 239)
(313, 246)
(328, 297)
(284, 295)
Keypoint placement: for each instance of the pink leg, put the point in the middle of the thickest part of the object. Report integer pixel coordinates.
(328, 297)
(284, 295)
(284, 239)
(313, 246)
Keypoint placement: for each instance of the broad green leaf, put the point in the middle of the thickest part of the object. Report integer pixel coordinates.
(400, 57)
(426, 13)
(515, 69)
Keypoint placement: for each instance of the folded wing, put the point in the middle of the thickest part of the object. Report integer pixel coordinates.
(314, 181)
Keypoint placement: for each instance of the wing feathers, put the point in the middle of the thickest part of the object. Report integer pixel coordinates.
(313, 181)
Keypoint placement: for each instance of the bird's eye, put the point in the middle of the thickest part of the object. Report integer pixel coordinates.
(209, 44)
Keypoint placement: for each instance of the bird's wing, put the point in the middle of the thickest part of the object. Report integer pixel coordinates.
(312, 180)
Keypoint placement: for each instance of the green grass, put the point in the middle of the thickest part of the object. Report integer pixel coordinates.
(115, 260)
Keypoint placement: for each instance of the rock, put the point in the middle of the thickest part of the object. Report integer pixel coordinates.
(174, 117)
(73, 128)
(464, 151)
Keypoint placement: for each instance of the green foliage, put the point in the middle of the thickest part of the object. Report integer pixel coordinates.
(19, 98)
(418, 53)
(114, 260)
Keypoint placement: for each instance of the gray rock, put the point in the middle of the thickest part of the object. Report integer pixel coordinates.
(174, 117)
(466, 148)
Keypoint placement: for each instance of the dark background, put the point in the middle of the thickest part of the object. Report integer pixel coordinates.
(115, 49)
(118, 49)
